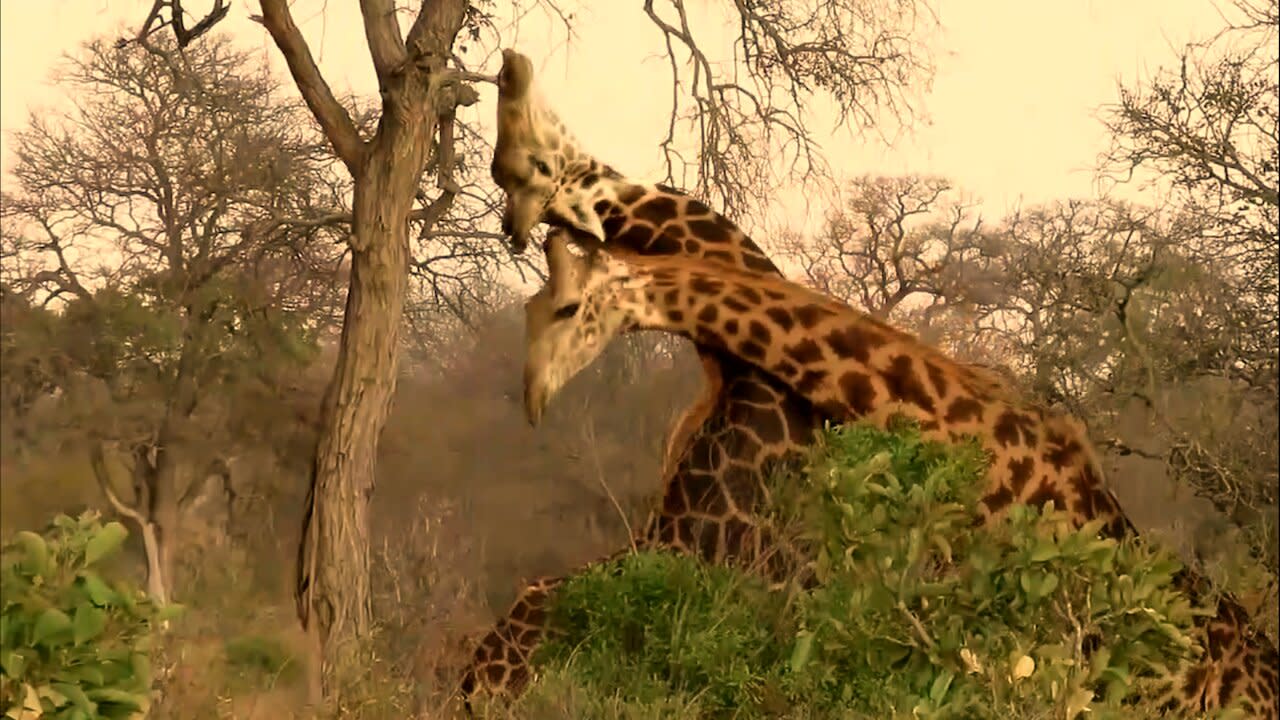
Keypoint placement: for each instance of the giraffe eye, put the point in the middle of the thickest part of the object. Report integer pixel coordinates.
(567, 311)
(541, 167)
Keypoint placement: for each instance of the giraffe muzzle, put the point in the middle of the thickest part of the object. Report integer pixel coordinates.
(535, 401)
(517, 240)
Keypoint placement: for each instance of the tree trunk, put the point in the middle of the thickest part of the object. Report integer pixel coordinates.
(355, 407)
(140, 513)
(160, 502)
(333, 572)
(333, 584)
(163, 513)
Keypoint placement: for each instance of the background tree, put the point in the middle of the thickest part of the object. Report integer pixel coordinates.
(167, 241)
(1209, 130)
(792, 61)
(898, 247)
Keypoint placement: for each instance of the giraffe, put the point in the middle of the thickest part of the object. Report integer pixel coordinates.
(746, 421)
(851, 366)
(724, 446)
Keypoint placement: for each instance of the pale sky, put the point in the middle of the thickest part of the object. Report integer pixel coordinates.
(1012, 107)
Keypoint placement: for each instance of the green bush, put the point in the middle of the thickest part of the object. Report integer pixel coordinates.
(73, 645)
(656, 624)
(914, 612)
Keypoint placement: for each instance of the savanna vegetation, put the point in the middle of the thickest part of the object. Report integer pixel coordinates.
(193, 412)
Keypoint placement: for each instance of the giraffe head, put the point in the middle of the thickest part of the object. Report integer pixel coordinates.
(537, 163)
(587, 301)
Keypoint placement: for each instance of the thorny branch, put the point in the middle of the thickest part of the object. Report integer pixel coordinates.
(861, 54)
(1211, 127)
(895, 240)
(177, 20)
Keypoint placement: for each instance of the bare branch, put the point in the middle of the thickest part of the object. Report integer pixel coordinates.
(98, 461)
(382, 32)
(333, 118)
(177, 21)
(751, 121)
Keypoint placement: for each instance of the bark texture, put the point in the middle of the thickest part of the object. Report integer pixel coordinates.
(333, 590)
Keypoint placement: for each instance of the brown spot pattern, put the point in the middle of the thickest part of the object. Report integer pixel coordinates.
(757, 331)
(811, 315)
(703, 285)
(781, 317)
(937, 377)
(859, 392)
(904, 385)
(709, 231)
(804, 352)
(853, 342)
(656, 211)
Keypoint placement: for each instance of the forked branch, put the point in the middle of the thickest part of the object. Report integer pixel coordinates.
(184, 35)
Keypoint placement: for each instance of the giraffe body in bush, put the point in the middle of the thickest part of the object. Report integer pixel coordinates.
(724, 446)
(853, 367)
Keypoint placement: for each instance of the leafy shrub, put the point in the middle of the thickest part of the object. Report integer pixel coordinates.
(73, 645)
(914, 612)
(659, 624)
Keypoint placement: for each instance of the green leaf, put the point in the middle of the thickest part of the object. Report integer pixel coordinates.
(35, 553)
(944, 545)
(114, 672)
(96, 588)
(105, 541)
(141, 667)
(87, 624)
(801, 651)
(126, 596)
(1092, 527)
(1049, 583)
(48, 693)
(13, 663)
(76, 696)
(1054, 651)
(941, 684)
(169, 612)
(133, 701)
(90, 675)
(1044, 551)
(51, 623)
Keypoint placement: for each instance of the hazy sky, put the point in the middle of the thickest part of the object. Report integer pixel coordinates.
(1013, 103)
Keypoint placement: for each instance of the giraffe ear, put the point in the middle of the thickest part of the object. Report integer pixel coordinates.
(586, 220)
(565, 270)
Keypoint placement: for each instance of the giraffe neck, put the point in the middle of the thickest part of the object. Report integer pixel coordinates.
(768, 323)
(655, 219)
